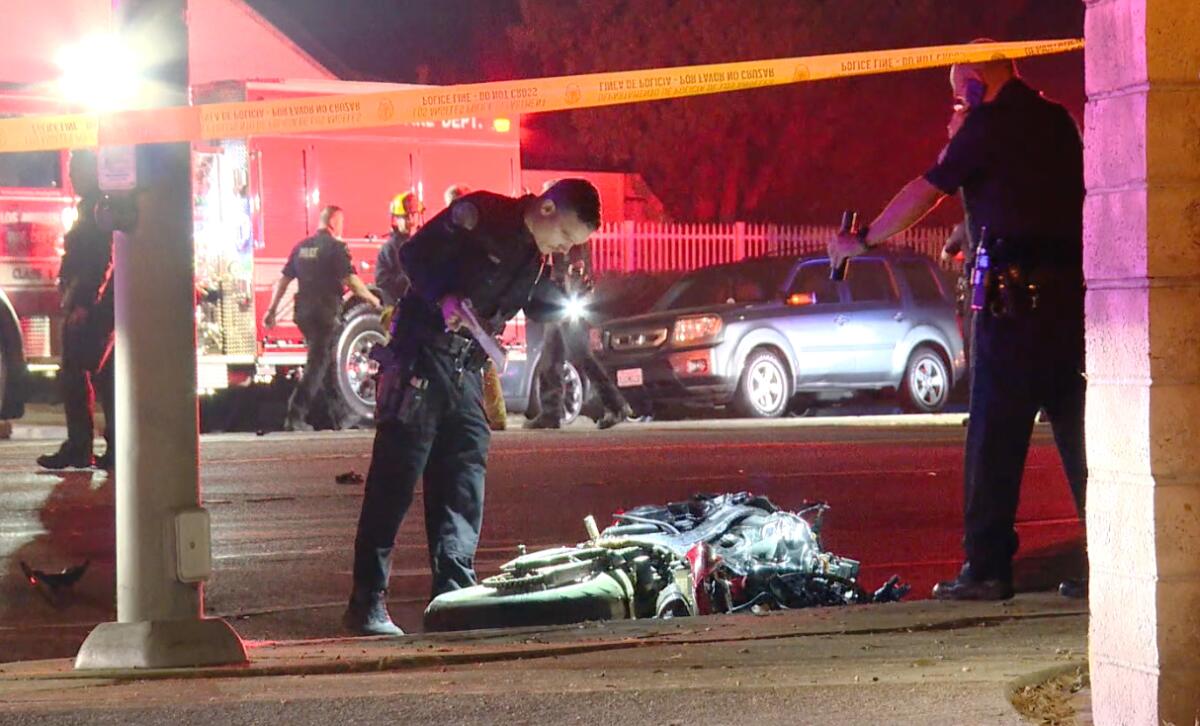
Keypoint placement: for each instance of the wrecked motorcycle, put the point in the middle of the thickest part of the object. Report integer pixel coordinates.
(711, 554)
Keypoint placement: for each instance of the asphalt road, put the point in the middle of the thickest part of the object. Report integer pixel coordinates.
(283, 528)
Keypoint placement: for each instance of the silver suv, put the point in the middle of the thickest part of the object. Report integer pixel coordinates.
(766, 335)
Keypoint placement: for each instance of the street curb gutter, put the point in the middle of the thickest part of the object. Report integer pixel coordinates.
(412, 661)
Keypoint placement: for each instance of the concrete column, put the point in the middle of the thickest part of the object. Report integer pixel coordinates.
(162, 533)
(1142, 260)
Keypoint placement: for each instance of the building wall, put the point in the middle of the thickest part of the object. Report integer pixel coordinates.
(1142, 261)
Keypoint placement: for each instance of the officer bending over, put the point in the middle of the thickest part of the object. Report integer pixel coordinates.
(322, 265)
(1018, 160)
(487, 249)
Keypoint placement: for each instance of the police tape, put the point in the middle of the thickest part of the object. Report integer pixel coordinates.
(497, 98)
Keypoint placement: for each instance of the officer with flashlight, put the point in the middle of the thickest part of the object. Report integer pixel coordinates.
(471, 268)
(1018, 159)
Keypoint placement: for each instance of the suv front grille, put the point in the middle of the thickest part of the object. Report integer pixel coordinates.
(638, 340)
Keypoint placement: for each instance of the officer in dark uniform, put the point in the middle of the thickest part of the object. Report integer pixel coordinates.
(84, 282)
(322, 265)
(485, 251)
(405, 209)
(565, 337)
(1018, 160)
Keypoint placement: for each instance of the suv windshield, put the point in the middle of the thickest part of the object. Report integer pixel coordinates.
(746, 282)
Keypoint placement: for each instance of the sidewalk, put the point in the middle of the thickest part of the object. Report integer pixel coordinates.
(921, 662)
(41, 422)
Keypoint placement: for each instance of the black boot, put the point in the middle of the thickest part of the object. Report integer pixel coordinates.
(66, 458)
(968, 586)
(106, 461)
(1075, 588)
(543, 422)
(367, 614)
(612, 418)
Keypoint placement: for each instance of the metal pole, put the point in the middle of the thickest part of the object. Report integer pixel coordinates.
(162, 531)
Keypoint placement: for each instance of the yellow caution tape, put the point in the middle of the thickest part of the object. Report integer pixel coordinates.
(537, 95)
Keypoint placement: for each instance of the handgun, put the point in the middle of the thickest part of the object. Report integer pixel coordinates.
(466, 313)
(849, 221)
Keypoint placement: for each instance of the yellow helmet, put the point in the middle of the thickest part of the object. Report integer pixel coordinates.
(406, 204)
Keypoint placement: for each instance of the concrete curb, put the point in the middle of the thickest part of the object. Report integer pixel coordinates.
(288, 664)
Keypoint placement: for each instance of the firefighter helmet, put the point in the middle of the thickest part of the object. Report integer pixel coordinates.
(406, 204)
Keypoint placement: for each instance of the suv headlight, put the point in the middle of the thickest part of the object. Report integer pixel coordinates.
(697, 330)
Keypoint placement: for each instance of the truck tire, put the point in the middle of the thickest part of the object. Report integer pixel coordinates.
(600, 597)
(766, 385)
(355, 371)
(926, 385)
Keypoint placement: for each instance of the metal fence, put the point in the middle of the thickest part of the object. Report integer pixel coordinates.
(667, 247)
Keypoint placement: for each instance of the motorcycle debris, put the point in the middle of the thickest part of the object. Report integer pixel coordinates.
(349, 477)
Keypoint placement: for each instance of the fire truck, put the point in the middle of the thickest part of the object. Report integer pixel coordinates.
(36, 207)
(253, 199)
(256, 197)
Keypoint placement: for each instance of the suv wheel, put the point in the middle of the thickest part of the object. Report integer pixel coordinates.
(766, 386)
(355, 370)
(926, 387)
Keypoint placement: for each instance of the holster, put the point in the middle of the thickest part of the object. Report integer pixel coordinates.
(399, 392)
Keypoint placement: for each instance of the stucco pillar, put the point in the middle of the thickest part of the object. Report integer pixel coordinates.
(1142, 261)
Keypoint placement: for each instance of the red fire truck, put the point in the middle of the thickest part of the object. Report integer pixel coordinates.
(254, 198)
(36, 207)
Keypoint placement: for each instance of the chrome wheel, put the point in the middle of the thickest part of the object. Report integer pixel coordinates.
(359, 371)
(926, 381)
(572, 394)
(765, 387)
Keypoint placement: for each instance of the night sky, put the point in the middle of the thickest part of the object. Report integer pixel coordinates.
(391, 39)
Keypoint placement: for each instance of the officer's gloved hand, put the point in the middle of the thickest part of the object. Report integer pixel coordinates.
(844, 246)
(452, 312)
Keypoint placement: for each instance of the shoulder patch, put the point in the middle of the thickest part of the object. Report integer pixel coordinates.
(465, 215)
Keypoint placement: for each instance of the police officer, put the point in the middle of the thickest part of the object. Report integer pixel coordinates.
(1018, 160)
(322, 265)
(485, 250)
(565, 337)
(84, 283)
(405, 209)
(493, 392)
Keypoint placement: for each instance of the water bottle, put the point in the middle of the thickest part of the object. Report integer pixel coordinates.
(849, 222)
(979, 276)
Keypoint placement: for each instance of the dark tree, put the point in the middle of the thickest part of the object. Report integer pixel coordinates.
(791, 153)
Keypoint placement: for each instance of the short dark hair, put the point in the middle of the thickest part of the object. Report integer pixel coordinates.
(576, 195)
(327, 214)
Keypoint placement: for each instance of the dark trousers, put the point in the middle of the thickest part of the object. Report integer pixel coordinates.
(579, 351)
(563, 341)
(87, 369)
(1021, 364)
(444, 441)
(319, 382)
(550, 371)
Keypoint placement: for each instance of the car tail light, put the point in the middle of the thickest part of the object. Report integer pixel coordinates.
(799, 299)
(696, 330)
